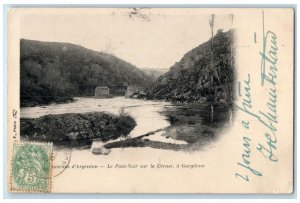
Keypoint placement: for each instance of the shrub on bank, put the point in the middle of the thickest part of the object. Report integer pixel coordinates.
(65, 128)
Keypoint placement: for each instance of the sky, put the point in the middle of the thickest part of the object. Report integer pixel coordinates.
(147, 38)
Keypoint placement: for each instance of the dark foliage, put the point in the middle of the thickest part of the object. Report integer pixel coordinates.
(56, 72)
(190, 79)
(70, 128)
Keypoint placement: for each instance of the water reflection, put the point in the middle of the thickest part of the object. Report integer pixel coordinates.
(178, 126)
(192, 123)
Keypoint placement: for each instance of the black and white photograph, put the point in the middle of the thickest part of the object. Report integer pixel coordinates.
(111, 88)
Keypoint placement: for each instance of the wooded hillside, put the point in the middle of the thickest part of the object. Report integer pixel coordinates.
(56, 72)
(190, 79)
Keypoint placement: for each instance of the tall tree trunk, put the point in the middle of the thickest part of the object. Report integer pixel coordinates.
(211, 23)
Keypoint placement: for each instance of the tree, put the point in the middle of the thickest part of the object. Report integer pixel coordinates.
(211, 24)
(215, 72)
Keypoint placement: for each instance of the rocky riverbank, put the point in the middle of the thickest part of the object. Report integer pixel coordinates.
(76, 129)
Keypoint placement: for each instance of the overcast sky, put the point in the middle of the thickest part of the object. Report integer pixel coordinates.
(153, 38)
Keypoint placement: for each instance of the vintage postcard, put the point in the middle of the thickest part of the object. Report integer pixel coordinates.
(150, 100)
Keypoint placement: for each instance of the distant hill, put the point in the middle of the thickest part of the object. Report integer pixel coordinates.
(155, 72)
(191, 78)
(56, 72)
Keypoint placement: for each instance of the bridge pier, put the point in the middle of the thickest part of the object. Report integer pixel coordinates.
(130, 91)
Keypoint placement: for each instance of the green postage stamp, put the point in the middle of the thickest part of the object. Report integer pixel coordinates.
(31, 167)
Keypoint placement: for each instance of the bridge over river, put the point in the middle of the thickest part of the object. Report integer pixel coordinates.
(108, 91)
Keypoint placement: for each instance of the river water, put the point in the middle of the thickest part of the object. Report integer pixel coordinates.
(146, 113)
(148, 117)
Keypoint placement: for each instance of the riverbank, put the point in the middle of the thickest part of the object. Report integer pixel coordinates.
(74, 129)
(190, 123)
(178, 126)
(35, 101)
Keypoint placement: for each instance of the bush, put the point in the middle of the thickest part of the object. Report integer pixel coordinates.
(65, 128)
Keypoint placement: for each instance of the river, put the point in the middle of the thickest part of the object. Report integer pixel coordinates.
(181, 124)
(184, 126)
(146, 113)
